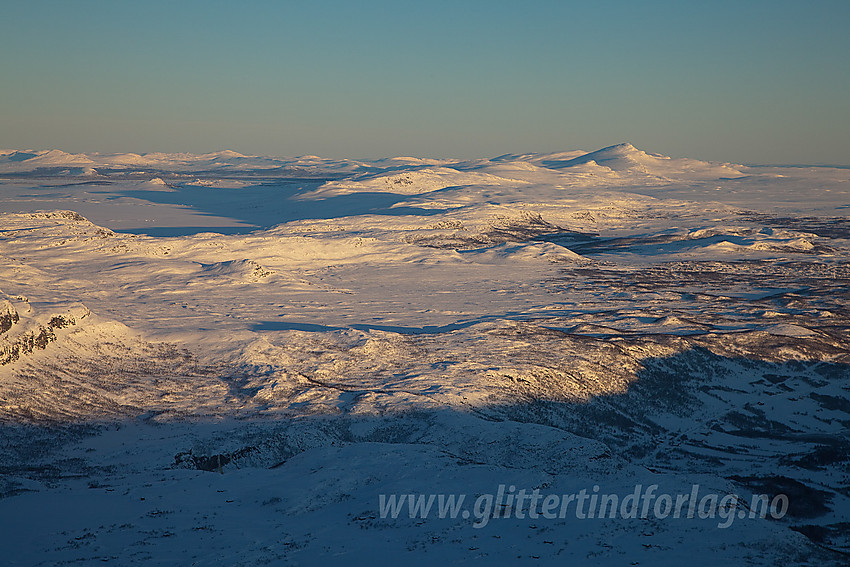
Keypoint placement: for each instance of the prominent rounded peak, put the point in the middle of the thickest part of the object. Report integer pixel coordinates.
(618, 157)
(624, 148)
(625, 159)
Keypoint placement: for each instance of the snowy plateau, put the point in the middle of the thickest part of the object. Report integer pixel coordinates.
(224, 359)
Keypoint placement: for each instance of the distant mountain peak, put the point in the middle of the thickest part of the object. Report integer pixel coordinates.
(617, 157)
(625, 147)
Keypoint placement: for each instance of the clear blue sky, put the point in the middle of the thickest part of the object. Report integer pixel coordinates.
(746, 80)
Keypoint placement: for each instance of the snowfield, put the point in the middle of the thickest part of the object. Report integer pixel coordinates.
(224, 359)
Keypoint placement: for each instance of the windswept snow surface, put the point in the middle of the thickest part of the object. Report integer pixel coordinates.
(224, 359)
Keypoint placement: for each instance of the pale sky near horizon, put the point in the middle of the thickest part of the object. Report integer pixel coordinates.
(748, 81)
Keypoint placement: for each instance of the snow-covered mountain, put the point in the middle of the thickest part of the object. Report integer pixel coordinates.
(618, 158)
(223, 359)
(53, 161)
(625, 158)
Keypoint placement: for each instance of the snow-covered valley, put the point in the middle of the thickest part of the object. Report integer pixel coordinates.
(227, 360)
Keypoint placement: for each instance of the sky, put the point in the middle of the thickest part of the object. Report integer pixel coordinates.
(745, 81)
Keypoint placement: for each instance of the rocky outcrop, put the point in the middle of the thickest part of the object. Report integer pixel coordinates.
(29, 341)
(8, 316)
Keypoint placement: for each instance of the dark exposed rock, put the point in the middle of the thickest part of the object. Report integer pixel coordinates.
(211, 463)
(8, 316)
(37, 339)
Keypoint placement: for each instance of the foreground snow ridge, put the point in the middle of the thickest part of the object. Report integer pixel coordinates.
(226, 359)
